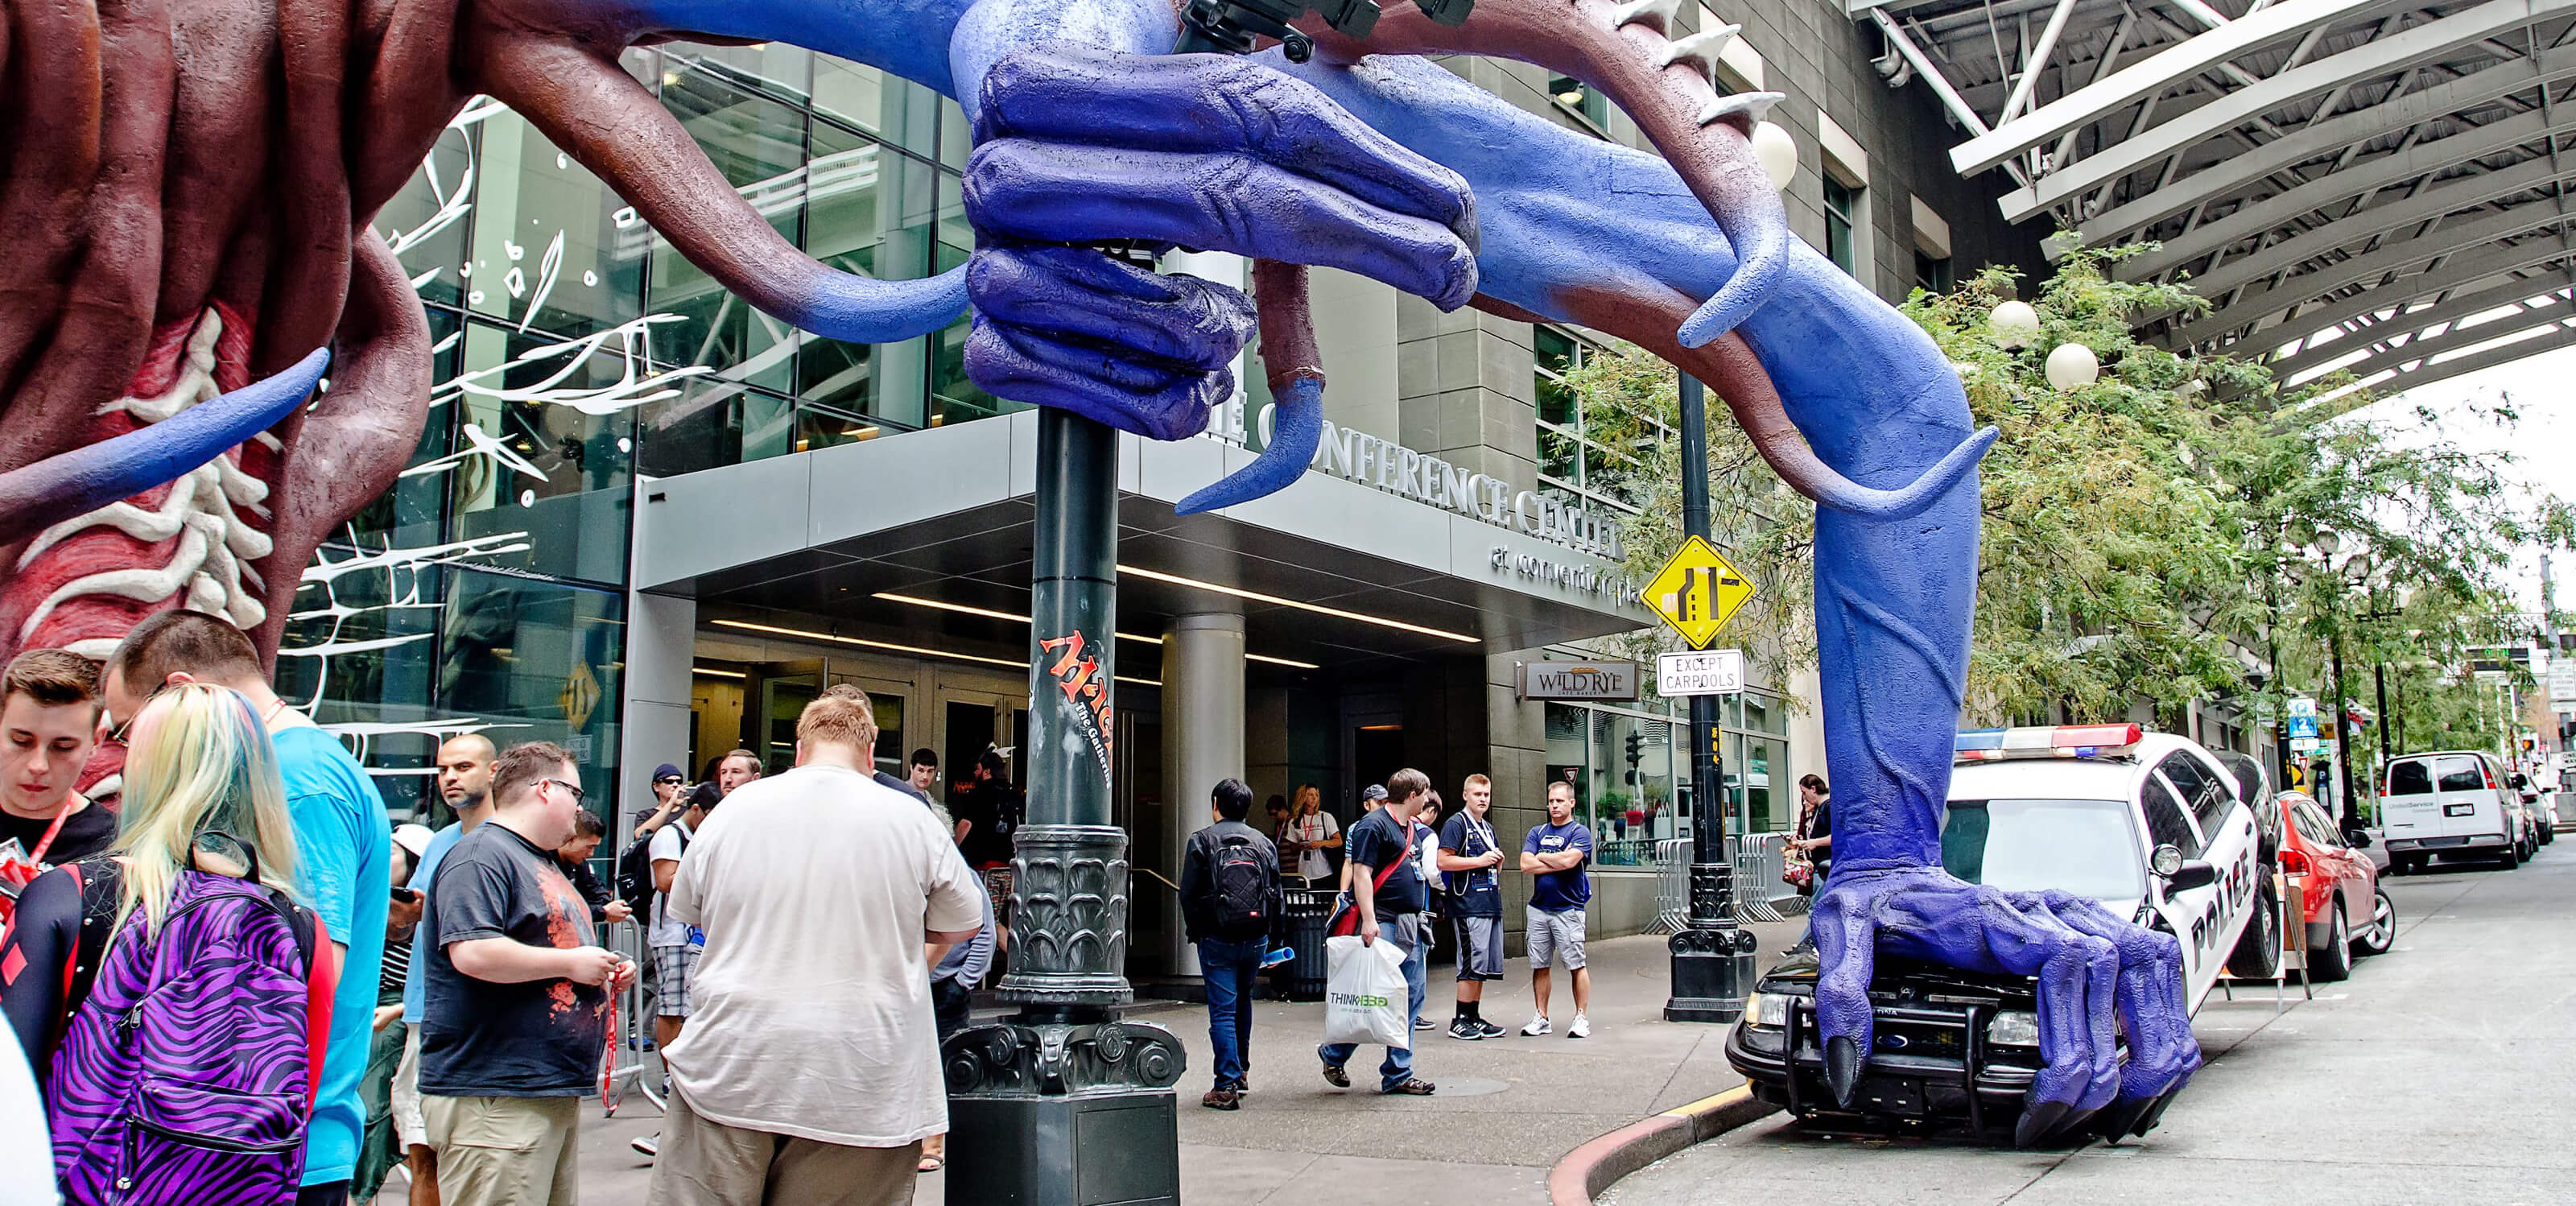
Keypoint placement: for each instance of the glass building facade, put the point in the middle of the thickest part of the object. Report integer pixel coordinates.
(1630, 766)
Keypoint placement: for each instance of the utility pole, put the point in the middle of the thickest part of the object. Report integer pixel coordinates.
(1713, 966)
(2343, 735)
(1065, 1066)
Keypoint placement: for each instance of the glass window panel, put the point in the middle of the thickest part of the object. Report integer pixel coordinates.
(818, 427)
(548, 468)
(1556, 403)
(1555, 349)
(1762, 765)
(428, 219)
(1558, 456)
(414, 511)
(546, 237)
(956, 137)
(699, 429)
(544, 657)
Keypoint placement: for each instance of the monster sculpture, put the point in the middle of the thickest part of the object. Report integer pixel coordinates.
(193, 185)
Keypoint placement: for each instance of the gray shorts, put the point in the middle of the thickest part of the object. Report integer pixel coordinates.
(1556, 938)
(1480, 948)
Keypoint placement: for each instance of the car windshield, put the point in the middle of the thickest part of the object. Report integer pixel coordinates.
(2087, 847)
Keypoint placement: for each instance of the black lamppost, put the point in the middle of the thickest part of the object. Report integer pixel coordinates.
(1712, 957)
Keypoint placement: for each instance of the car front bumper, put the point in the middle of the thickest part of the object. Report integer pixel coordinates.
(1955, 1079)
(2447, 845)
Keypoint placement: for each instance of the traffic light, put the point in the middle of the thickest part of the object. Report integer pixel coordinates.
(1636, 744)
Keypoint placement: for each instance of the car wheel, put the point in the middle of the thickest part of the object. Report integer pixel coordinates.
(2405, 866)
(2381, 933)
(2512, 856)
(2258, 950)
(2332, 960)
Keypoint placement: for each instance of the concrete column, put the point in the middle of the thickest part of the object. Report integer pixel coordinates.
(661, 645)
(1202, 737)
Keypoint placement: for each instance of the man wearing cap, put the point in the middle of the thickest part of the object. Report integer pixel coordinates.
(668, 800)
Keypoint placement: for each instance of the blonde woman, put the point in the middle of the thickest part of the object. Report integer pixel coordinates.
(190, 982)
(1309, 833)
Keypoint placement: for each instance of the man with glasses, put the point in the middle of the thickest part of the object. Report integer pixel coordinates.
(343, 864)
(668, 800)
(517, 994)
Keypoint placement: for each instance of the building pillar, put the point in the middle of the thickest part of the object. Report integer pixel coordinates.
(1202, 738)
(661, 649)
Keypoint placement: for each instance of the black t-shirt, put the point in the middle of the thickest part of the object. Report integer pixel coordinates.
(1478, 893)
(1375, 841)
(541, 1038)
(995, 811)
(84, 833)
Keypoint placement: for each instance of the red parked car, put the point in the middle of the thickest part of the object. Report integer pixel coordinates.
(2348, 913)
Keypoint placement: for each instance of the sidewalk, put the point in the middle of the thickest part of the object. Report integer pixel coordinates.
(1507, 1108)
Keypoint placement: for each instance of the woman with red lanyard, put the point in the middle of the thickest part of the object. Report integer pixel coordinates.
(49, 701)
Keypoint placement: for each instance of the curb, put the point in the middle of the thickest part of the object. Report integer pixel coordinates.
(1595, 1166)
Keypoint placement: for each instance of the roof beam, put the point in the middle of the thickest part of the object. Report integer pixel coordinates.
(2465, 269)
(2412, 323)
(2460, 193)
(1930, 73)
(2173, 137)
(2152, 75)
(2342, 130)
(2425, 347)
(2415, 159)
(2028, 84)
(2378, 262)
(2520, 349)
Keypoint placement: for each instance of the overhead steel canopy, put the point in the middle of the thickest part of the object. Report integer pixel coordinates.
(2354, 184)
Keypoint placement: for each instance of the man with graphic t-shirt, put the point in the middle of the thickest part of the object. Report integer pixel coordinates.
(1554, 854)
(1382, 843)
(1471, 858)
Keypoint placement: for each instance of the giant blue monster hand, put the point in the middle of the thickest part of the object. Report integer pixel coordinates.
(1078, 145)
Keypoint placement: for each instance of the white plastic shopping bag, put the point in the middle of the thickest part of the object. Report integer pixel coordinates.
(1364, 993)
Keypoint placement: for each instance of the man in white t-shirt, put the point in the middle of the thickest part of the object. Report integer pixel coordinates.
(675, 949)
(1311, 831)
(809, 1071)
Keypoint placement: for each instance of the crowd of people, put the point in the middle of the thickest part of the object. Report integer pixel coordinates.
(440, 1000)
(1403, 875)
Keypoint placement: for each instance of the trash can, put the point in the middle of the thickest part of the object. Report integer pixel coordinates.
(1306, 912)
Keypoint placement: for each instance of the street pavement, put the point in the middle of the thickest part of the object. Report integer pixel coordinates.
(1506, 1111)
(2437, 1073)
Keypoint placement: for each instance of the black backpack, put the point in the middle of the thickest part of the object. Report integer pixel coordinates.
(1239, 888)
(635, 876)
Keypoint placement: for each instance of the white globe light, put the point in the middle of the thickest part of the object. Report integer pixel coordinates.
(2014, 323)
(2072, 366)
(1777, 152)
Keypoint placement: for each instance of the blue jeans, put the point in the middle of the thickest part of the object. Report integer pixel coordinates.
(1231, 970)
(1404, 931)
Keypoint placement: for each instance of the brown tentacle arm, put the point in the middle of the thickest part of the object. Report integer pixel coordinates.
(1295, 366)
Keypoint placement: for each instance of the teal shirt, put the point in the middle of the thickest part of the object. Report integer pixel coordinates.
(343, 851)
(439, 844)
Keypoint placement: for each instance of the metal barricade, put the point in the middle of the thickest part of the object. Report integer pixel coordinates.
(1672, 886)
(632, 1061)
(1757, 872)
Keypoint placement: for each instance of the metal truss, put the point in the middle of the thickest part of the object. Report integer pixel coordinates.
(2347, 181)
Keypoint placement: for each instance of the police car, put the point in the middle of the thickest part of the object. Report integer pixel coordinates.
(2151, 826)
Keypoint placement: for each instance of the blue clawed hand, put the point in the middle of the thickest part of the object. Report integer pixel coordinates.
(1079, 146)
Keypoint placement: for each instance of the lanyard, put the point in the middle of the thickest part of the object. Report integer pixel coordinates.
(37, 856)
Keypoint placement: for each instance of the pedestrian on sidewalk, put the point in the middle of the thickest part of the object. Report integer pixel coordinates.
(1390, 899)
(1426, 855)
(1472, 859)
(1814, 840)
(676, 946)
(465, 783)
(1555, 854)
(953, 979)
(517, 998)
(381, 1147)
(1229, 893)
(574, 857)
(1312, 834)
(670, 795)
(49, 704)
(736, 769)
(922, 771)
(809, 1072)
(344, 851)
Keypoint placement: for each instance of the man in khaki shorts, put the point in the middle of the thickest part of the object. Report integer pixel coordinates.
(851, 1016)
(1554, 855)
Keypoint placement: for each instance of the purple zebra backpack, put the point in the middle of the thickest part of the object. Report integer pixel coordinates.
(186, 1071)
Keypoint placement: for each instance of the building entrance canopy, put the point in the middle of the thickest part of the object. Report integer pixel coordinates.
(2356, 184)
(927, 535)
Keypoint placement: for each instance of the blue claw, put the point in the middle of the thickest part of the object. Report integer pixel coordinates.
(1843, 494)
(1298, 426)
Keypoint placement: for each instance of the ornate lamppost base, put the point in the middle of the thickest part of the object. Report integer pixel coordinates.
(1713, 967)
(1063, 1108)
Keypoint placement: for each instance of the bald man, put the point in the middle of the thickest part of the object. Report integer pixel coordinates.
(465, 782)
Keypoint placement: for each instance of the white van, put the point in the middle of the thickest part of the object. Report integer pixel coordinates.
(2450, 804)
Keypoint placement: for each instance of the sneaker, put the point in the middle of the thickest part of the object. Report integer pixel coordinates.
(1424, 1023)
(1464, 1029)
(1580, 1028)
(650, 1145)
(1485, 1029)
(1416, 1087)
(1537, 1026)
(1222, 1099)
(1334, 1075)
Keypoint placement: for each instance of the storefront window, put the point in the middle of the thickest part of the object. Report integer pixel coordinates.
(1631, 771)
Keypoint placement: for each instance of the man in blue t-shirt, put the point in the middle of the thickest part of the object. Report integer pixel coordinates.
(1554, 855)
(465, 782)
(343, 847)
(1382, 843)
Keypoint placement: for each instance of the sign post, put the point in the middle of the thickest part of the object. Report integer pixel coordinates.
(1697, 593)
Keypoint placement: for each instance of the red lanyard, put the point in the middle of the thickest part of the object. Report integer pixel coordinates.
(37, 856)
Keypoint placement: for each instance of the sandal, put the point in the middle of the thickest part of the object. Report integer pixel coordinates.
(931, 1164)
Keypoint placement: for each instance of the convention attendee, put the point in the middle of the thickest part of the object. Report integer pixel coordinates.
(1814, 837)
(1310, 834)
(1555, 855)
(517, 995)
(1372, 798)
(344, 848)
(991, 810)
(1426, 854)
(380, 1148)
(668, 799)
(1274, 824)
(1229, 893)
(852, 1016)
(49, 702)
(202, 800)
(1471, 859)
(736, 768)
(574, 857)
(676, 945)
(1390, 903)
(922, 771)
(465, 783)
(953, 979)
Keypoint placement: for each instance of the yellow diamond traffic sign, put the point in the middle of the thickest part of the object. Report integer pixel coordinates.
(1697, 592)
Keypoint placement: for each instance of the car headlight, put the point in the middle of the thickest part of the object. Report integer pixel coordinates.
(2013, 1028)
(1766, 1009)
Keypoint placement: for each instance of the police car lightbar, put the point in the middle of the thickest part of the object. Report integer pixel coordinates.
(2060, 741)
